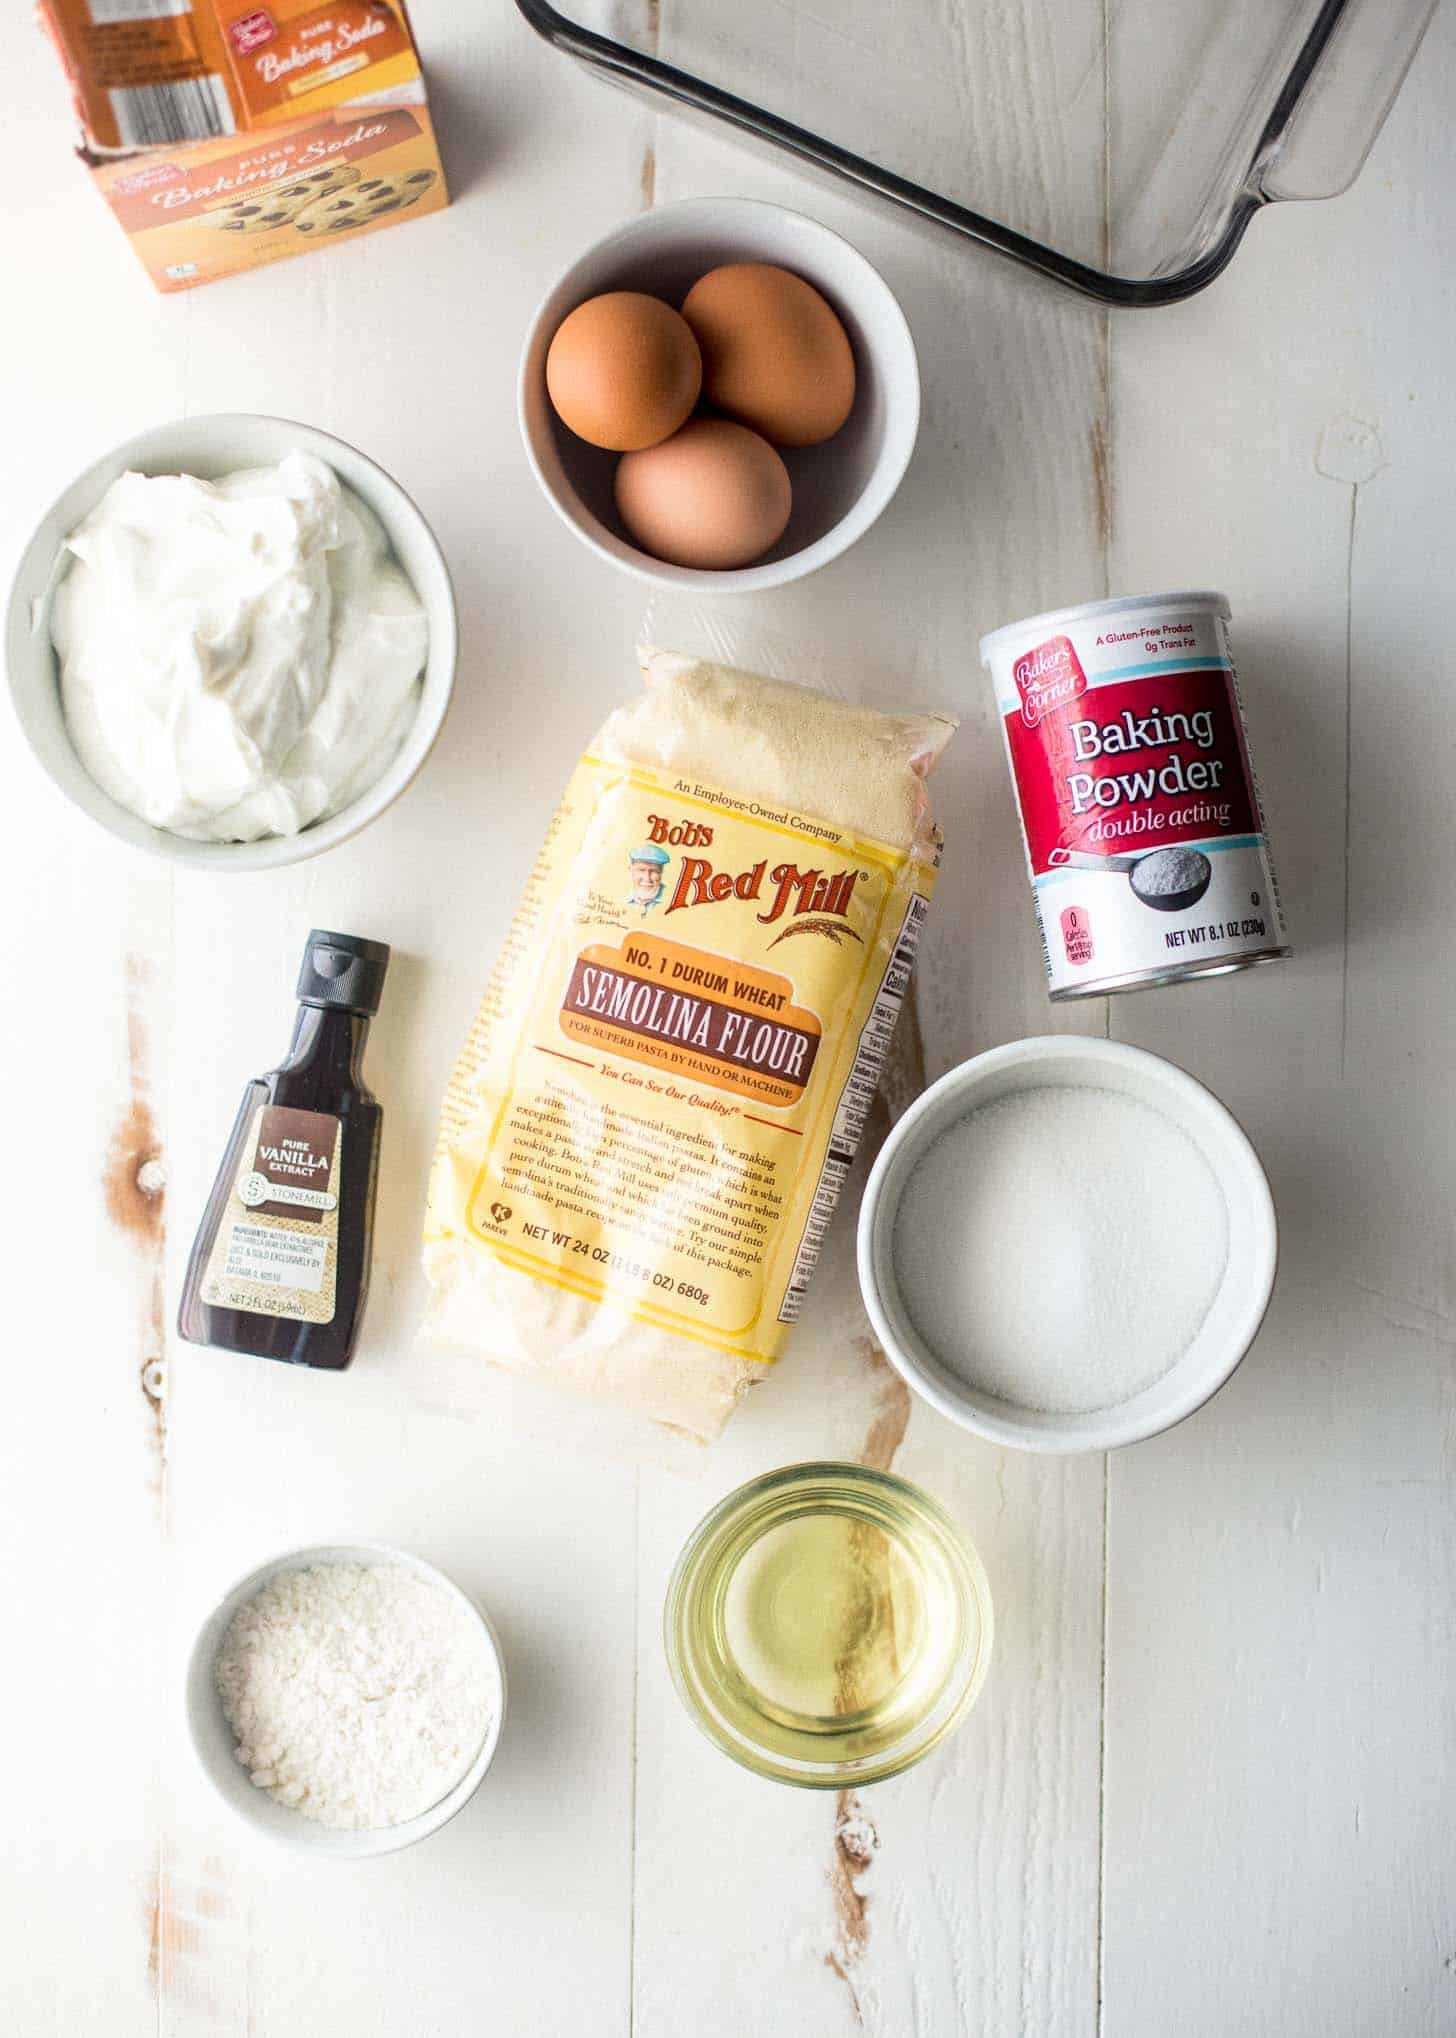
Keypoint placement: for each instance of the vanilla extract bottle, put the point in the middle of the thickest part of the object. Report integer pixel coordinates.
(280, 1267)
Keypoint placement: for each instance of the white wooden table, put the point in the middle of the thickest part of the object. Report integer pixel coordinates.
(1208, 1789)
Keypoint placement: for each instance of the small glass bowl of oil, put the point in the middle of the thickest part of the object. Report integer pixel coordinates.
(827, 1625)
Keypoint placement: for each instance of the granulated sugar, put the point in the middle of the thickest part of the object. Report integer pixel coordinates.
(359, 1694)
(1060, 1248)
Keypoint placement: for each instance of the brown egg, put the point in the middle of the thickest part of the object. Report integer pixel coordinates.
(715, 496)
(774, 352)
(623, 370)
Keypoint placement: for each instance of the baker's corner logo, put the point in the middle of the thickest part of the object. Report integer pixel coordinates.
(251, 31)
(153, 176)
(1047, 677)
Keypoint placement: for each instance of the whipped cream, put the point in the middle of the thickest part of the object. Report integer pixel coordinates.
(239, 657)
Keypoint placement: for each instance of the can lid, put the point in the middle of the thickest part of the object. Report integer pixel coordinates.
(1132, 604)
(343, 970)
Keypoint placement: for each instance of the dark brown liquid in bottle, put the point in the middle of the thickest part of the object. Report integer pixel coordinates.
(321, 1074)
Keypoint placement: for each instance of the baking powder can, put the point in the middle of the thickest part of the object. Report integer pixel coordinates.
(1140, 812)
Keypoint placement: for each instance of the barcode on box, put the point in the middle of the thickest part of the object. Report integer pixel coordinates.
(189, 111)
(105, 12)
(854, 1103)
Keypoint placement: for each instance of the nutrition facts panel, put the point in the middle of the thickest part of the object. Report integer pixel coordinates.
(854, 1103)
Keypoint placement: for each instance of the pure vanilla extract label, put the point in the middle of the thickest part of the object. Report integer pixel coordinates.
(277, 1246)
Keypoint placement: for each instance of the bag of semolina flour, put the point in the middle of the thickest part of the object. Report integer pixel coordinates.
(647, 1129)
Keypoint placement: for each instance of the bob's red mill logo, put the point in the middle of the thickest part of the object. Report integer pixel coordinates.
(781, 888)
(1047, 677)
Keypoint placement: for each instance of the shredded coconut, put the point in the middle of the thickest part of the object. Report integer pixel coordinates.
(359, 1694)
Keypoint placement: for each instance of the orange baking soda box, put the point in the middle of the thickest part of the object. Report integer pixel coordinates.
(224, 136)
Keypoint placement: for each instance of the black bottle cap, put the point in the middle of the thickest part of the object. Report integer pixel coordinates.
(343, 970)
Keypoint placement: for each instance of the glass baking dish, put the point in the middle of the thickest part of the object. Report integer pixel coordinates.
(1118, 146)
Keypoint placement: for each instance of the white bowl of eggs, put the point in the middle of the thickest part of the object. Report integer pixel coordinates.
(720, 397)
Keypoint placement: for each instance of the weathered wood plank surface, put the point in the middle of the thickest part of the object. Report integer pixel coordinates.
(1281, 1651)
(1205, 1788)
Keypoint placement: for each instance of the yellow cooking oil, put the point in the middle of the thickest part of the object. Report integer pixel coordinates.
(828, 1621)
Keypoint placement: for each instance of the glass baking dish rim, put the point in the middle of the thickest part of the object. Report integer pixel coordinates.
(1136, 293)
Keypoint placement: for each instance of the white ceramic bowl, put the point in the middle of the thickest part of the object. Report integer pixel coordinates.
(212, 1738)
(1237, 1309)
(839, 488)
(207, 447)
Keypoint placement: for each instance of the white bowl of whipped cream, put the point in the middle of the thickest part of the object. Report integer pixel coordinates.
(232, 641)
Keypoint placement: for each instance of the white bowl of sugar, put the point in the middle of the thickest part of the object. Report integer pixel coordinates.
(346, 1700)
(1067, 1244)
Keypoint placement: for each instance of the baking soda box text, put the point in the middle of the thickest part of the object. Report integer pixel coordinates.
(224, 136)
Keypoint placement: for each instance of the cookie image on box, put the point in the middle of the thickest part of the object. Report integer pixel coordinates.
(370, 199)
(280, 204)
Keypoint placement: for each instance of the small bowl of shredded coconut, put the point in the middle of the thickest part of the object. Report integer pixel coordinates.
(1067, 1244)
(346, 1700)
